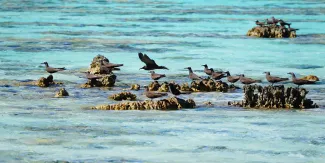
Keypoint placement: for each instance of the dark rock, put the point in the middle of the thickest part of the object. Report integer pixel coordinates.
(271, 31)
(62, 93)
(154, 86)
(274, 97)
(123, 96)
(165, 104)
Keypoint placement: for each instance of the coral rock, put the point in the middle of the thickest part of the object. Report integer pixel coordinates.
(272, 31)
(154, 86)
(95, 66)
(311, 78)
(274, 97)
(164, 87)
(106, 81)
(165, 104)
(62, 93)
(123, 96)
(135, 87)
(42, 82)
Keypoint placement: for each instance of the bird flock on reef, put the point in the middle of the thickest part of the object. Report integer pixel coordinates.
(151, 65)
(274, 21)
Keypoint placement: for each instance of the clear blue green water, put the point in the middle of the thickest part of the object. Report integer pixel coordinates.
(34, 126)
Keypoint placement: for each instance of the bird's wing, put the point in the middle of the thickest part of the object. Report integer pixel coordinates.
(145, 59)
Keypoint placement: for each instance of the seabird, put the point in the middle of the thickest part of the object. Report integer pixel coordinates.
(232, 79)
(155, 76)
(52, 70)
(150, 64)
(92, 77)
(207, 70)
(292, 29)
(192, 75)
(300, 82)
(110, 65)
(175, 91)
(217, 75)
(282, 23)
(274, 79)
(269, 22)
(248, 81)
(275, 21)
(261, 24)
(152, 95)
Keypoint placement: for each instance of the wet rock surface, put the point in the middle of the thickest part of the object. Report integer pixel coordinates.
(274, 97)
(123, 96)
(62, 93)
(272, 31)
(105, 81)
(173, 103)
(311, 78)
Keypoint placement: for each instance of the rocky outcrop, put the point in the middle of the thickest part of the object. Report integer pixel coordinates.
(135, 87)
(105, 81)
(206, 85)
(42, 82)
(123, 96)
(96, 65)
(274, 97)
(311, 78)
(271, 31)
(62, 93)
(165, 104)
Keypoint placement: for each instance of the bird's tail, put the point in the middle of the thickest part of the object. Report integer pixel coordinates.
(63, 68)
(258, 81)
(284, 79)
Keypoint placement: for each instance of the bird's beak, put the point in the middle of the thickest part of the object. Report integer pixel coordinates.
(42, 63)
(185, 68)
(289, 73)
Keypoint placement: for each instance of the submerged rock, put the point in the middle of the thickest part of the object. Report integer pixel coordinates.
(135, 87)
(274, 97)
(62, 93)
(271, 31)
(173, 103)
(311, 78)
(123, 96)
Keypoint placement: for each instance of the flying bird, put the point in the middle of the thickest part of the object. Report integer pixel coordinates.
(150, 63)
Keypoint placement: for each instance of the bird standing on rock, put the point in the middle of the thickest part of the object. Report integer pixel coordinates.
(217, 75)
(282, 23)
(175, 91)
(152, 95)
(248, 81)
(232, 79)
(300, 82)
(150, 63)
(274, 79)
(207, 70)
(192, 75)
(110, 65)
(155, 76)
(52, 70)
(261, 24)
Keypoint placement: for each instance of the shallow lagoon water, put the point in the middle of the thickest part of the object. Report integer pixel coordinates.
(36, 127)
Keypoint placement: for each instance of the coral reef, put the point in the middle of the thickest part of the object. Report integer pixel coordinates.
(272, 31)
(123, 96)
(274, 97)
(165, 104)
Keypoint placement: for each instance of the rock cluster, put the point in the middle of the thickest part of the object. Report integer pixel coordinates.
(272, 31)
(62, 93)
(173, 103)
(105, 81)
(205, 85)
(123, 96)
(42, 82)
(274, 97)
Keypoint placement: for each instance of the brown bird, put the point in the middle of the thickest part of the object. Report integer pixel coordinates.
(110, 65)
(232, 79)
(52, 70)
(261, 24)
(175, 91)
(217, 75)
(150, 63)
(207, 70)
(248, 81)
(192, 75)
(92, 77)
(292, 29)
(152, 95)
(300, 82)
(155, 76)
(282, 23)
(275, 21)
(274, 79)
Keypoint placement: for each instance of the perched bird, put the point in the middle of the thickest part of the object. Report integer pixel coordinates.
(275, 21)
(292, 29)
(52, 70)
(175, 91)
(282, 23)
(150, 64)
(110, 65)
(300, 82)
(217, 75)
(248, 81)
(274, 79)
(152, 95)
(269, 22)
(92, 77)
(232, 79)
(261, 24)
(155, 76)
(207, 70)
(192, 75)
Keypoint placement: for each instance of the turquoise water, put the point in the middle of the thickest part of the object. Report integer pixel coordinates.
(34, 126)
